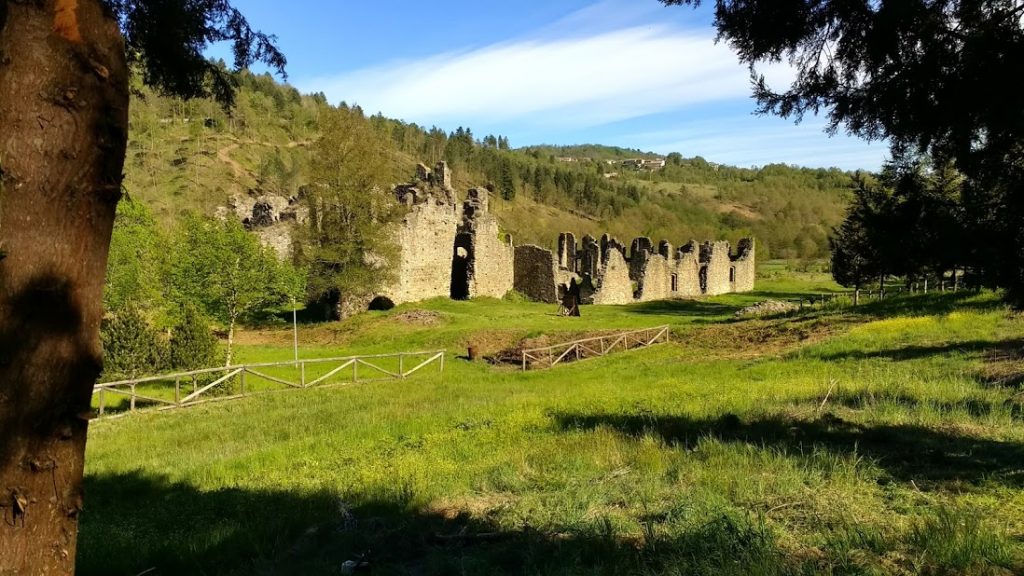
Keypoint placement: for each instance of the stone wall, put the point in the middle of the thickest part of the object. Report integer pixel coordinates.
(716, 264)
(426, 238)
(536, 273)
(744, 268)
(612, 284)
(687, 271)
(493, 258)
(655, 281)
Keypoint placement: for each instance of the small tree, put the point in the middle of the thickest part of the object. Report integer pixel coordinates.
(131, 347)
(226, 272)
(193, 345)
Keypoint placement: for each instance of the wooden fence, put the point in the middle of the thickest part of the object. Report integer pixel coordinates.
(593, 347)
(181, 389)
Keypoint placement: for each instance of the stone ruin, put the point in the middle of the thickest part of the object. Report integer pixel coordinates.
(608, 274)
(270, 216)
(448, 248)
(455, 249)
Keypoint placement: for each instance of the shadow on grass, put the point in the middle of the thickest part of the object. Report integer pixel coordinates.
(917, 352)
(137, 523)
(929, 457)
(696, 308)
(976, 407)
(933, 303)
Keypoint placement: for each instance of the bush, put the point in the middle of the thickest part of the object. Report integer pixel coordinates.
(131, 347)
(193, 344)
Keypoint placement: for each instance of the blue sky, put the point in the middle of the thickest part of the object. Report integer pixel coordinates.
(629, 73)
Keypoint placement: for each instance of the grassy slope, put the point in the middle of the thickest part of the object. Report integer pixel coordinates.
(875, 440)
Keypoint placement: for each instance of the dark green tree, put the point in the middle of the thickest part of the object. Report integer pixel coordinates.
(928, 75)
(192, 345)
(131, 346)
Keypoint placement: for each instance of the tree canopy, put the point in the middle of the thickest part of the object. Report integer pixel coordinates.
(929, 76)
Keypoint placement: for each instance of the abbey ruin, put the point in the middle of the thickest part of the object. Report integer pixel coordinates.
(455, 249)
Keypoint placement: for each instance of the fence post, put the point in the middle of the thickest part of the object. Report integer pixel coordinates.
(177, 391)
(401, 365)
(302, 373)
(524, 360)
(442, 362)
(132, 406)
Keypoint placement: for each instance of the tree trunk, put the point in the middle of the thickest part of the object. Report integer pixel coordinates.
(231, 340)
(63, 131)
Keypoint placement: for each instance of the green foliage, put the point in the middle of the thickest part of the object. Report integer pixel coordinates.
(348, 242)
(137, 259)
(225, 272)
(131, 346)
(192, 344)
(899, 71)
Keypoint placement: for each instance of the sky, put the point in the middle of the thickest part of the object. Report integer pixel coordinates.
(630, 73)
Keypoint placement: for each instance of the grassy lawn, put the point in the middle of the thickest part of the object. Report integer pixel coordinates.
(877, 440)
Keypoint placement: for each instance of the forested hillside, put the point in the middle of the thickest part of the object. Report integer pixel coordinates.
(192, 156)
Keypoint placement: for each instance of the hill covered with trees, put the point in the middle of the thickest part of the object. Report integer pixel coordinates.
(193, 156)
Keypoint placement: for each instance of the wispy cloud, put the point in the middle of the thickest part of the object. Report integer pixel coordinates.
(575, 82)
(596, 76)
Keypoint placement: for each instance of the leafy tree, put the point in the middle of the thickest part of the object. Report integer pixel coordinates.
(929, 76)
(349, 241)
(192, 344)
(64, 113)
(136, 262)
(131, 346)
(224, 270)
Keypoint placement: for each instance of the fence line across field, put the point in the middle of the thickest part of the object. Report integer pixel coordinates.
(373, 364)
(549, 356)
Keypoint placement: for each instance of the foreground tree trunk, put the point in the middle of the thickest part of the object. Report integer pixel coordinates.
(63, 131)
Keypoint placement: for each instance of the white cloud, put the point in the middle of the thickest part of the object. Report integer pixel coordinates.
(756, 141)
(557, 83)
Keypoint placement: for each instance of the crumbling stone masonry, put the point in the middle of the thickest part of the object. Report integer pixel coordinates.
(609, 277)
(447, 248)
(455, 249)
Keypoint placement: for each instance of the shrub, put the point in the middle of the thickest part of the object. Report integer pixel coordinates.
(131, 347)
(193, 344)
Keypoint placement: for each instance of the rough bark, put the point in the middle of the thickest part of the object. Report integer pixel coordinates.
(63, 131)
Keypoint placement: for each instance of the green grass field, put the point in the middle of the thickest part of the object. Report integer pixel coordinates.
(885, 439)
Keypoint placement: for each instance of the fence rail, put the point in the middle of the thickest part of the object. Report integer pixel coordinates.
(165, 391)
(594, 347)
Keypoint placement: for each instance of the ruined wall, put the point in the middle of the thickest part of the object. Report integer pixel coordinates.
(492, 268)
(687, 270)
(612, 284)
(567, 251)
(536, 273)
(744, 266)
(714, 258)
(655, 281)
(426, 237)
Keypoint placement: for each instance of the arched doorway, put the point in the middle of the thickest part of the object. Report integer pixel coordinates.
(381, 303)
(461, 255)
